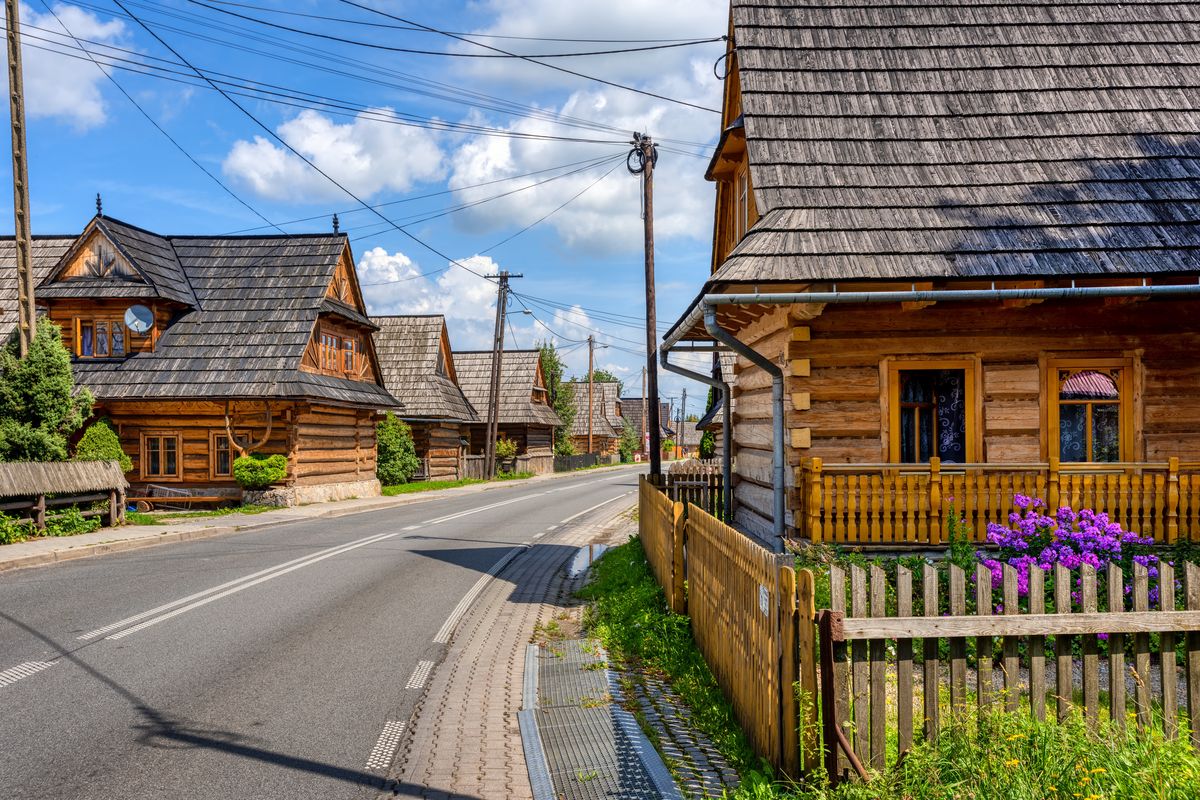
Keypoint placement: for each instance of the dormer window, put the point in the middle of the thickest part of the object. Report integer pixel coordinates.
(100, 338)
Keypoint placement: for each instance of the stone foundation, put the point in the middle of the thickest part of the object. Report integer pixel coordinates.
(321, 493)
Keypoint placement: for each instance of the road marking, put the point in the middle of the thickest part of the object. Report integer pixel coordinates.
(226, 585)
(420, 675)
(14, 674)
(551, 527)
(385, 748)
(539, 535)
(192, 606)
(593, 508)
(410, 527)
(471, 511)
(447, 629)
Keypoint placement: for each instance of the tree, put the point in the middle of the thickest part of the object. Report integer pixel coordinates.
(40, 407)
(562, 397)
(396, 455)
(604, 376)
(629, 443)
(100, 443)
(708, 445)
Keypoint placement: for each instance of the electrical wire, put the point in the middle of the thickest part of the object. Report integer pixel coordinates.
(449, 54)
(555, 67)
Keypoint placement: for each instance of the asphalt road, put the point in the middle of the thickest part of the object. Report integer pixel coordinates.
(263, 664)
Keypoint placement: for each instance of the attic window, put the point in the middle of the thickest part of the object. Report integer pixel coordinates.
(100, 338)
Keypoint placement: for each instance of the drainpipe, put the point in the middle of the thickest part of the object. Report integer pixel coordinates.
(778, 451)
(726, 433)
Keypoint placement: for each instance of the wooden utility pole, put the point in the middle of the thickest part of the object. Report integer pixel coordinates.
(645, 154)
(591, 364)
(643, 444)
(679, 430)
(493, 429)
(26, 311)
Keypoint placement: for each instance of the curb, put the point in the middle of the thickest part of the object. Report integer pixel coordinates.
(169, 537)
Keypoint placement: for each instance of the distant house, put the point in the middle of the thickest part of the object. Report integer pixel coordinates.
(201, 347)
(419, 371)
(631, 411)
(713, 420)
(955, 248)
(525, 413)
(606, 423)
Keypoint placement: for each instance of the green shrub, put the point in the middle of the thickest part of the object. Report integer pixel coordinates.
(708, 445)
(629, 443)
(12, 531)
(71, 522)
(259, 471)
(100, 443)
(668, 445)
(395, 456)
(505, 448)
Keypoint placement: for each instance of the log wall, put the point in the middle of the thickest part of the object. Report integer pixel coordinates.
(439, 442)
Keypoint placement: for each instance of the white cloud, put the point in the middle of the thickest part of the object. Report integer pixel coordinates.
(367, 156)
(59, 86)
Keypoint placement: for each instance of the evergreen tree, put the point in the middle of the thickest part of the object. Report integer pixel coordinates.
(100, 443)
(562, 397)
(629, 443)
(396, 455)
(39, 404)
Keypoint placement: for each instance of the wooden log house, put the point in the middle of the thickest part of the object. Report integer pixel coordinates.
(606, 421)
(419, 371)
(199, 348)
(525, 413)
(631, 410)
(952, 155)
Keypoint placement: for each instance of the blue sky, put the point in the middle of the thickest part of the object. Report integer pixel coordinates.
(345, 107)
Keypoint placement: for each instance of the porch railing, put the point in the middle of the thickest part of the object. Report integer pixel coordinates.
(910, 504)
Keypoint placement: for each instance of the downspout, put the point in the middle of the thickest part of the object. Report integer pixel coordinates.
(726, 438)
(778, 451)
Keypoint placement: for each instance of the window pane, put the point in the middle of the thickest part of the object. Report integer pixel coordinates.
(908, 435)
(925, 433)
(348, 355)
(916, 386)
(222, 443)
(101, 338)
(1072, 432)
(949, 388)
(153, 456)
(1088, 385)
(118, 339)
(169, 456)
(1106, 432)
(85, 339)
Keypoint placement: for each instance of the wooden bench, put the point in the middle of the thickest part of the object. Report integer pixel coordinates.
(145, 504)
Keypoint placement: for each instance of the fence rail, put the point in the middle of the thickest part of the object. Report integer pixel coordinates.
(910, 504)
(692, 482)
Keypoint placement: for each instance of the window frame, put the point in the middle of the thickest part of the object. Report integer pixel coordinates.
(109, 325)
(213, 474)
(892, 367)
(161, 435)
(1125, 403)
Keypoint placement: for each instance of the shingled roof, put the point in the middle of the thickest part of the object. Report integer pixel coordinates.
(897, 139)
(605, 419)
(410, 357)
(255, 302)
(631, 410)
(519, 370)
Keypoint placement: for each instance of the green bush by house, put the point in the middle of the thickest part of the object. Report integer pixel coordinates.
(259, 471)
(505, 448)
(100, 443)
(396, 456)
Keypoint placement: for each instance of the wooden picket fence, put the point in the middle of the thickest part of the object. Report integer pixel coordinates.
(856, 664)
(660, 525)
(696, 483)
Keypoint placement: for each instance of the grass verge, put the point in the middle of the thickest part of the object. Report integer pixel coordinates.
(426, 486)
(139, 518)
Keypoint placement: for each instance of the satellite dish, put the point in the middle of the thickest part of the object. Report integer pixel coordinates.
(139, 319)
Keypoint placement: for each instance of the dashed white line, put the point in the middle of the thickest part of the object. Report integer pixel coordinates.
(420, 675)
(471, 511)
(539, 535)
(385, 748)
(191, 606)
(410, 527)
(14, 674)
(447, 629)
(593, 508)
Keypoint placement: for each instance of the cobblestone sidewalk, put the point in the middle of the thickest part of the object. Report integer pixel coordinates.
(464, 740)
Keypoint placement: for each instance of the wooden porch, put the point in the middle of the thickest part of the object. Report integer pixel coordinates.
(908, 505)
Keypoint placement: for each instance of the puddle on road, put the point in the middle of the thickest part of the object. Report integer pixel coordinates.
(585, 558)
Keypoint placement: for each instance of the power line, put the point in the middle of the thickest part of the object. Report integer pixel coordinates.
(535, 61)
(449, 54)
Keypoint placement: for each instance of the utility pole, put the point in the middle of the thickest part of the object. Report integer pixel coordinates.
(591, 352)
(489, 459)
(26, 311)
(644, 445)
(645, 154)
(682, 413)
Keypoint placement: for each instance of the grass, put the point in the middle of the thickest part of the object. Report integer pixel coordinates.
(426, 486)
(513, 476)
(140, 518)
(995, 757)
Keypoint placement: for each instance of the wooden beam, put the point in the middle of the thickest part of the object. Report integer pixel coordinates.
(854, 628)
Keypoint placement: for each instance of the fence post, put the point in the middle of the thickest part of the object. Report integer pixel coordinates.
(806, 650)
(1172, 499)
(678, 576)
(1052, 487)
(114, 510)
(39, 512)
(935, 501)
(814, 500)
(789, 674)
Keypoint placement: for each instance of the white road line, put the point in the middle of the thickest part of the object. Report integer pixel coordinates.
(240, 587)
(593, 508)
(14, 674)
(551, 527)
(420, 675)
(226, 585)
(444, 633)
(385, 748)
(410, 527)
(471, 511)
(539, 535)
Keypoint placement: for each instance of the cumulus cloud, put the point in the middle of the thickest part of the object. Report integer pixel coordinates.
(368, 155)
(58, 86)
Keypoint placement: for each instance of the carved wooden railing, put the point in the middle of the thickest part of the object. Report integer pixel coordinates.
(910, 504)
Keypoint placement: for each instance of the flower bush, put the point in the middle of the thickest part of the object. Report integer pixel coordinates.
(1071, 538)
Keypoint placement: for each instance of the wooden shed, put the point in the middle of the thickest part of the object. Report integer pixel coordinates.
(966, 238)
(419, 371)
(525, 413)
(201, 347)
